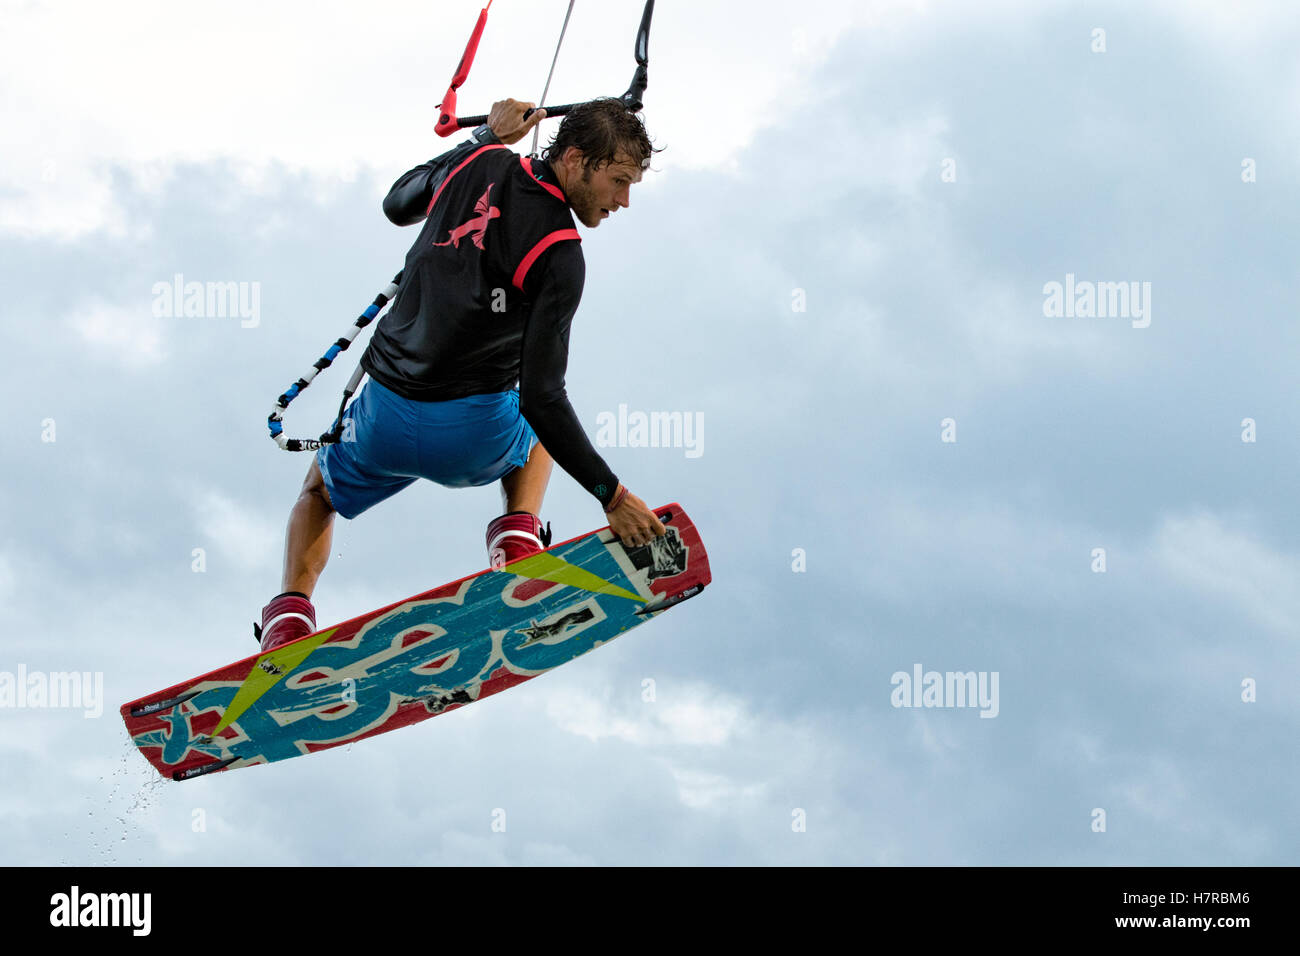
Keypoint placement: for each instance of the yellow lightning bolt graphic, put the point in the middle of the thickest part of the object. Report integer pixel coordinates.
(547, 567)
(263, 677)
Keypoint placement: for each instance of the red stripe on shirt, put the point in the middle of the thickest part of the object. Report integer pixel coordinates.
(558, 236)
(555, 191)
(473, 156)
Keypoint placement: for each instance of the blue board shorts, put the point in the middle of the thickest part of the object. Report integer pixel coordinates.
(462, 443)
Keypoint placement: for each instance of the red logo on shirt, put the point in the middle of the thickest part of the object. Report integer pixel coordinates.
(476, 227)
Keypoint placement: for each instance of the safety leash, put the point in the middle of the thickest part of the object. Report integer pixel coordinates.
(275, 421)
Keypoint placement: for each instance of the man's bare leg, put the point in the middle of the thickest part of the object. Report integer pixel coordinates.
(524, 488)
(311, 532)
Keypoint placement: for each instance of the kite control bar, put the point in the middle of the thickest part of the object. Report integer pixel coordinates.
(449, 122)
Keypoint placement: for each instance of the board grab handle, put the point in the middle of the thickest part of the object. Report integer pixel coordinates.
(666, 603)
(157, 707)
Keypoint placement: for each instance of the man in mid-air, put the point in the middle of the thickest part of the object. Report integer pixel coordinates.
(487, 296)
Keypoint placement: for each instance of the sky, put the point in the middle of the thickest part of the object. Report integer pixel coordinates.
(842, 267)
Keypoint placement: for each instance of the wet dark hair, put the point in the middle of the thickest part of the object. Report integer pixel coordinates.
(602, 129)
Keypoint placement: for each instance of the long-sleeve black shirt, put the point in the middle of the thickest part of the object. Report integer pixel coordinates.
(488, 296)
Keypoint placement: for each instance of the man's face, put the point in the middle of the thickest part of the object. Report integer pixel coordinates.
(596, 193)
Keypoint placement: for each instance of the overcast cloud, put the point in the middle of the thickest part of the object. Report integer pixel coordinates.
(839, 262)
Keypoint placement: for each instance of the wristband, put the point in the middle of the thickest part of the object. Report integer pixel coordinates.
(483, 135)
(618, 498)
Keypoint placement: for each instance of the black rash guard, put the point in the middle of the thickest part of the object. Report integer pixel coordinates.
(487, 296)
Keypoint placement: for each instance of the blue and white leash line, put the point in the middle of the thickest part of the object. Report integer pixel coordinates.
(275, 421)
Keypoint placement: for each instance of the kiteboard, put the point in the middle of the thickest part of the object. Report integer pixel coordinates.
(430, 654)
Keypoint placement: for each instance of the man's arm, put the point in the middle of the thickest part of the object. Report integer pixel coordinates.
(546, 407)
(543, 362)
(408, 201)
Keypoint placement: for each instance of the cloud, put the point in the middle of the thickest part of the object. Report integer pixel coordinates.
(705, 791)
(924, 300)
(693, 715)
(1205, 555)
(249, 539)
(129, 337)
(8, 578)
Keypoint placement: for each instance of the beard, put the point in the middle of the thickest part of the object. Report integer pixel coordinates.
(582, 199)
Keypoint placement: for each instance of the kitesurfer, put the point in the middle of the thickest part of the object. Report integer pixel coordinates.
(467, 368)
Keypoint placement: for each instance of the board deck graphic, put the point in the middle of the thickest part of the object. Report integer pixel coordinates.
(420, 657)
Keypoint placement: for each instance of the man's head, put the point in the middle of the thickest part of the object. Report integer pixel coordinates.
(599, 151)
